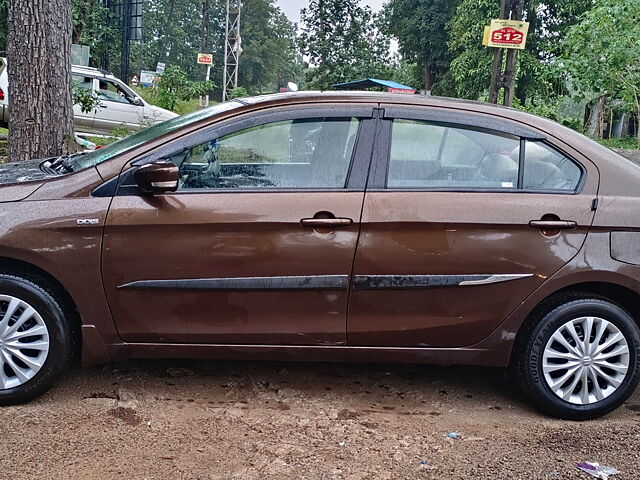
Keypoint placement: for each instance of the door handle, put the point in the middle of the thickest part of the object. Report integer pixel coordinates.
(553, 224)
(326, 222)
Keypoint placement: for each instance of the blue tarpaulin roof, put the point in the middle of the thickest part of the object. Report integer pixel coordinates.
(368, 83)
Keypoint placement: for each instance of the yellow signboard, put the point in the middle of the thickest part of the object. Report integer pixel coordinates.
(205, 59)
(485, 36)
(506, 34)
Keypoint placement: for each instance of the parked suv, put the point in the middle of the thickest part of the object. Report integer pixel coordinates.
(331, 227)
(119, 105)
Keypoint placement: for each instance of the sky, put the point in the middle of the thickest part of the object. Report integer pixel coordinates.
(292, 7)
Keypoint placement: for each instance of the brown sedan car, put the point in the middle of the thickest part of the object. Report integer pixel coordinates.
(329, 226)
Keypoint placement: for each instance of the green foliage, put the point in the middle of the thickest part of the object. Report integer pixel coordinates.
(270, 58)
(238, 92)
(4, 14)
(85, 98)
(603, 52)
(343, 42)
(91, 27)
(174, 85)
(120, 131)
(471, 67)
(625, 143)
(418, 26)
(554, 108)
(539, 74)
(176, 30)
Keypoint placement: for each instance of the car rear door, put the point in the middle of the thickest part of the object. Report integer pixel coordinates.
(257, 245)
(465, 215)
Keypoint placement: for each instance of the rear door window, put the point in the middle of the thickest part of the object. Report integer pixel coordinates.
(548, 169)
(431, 155)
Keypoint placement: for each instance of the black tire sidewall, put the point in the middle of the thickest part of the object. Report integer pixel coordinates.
(60, 346)
(534, 382)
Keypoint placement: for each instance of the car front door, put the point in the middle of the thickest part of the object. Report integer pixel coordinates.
(118, 107)
(460, 224)
(257, 245)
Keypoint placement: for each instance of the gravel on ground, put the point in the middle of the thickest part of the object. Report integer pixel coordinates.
(249, 420)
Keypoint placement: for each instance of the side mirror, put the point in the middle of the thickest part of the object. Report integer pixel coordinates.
(158, 177)
(137, 102)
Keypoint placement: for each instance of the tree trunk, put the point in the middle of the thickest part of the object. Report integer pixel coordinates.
(428, 76)
(593, 126)
(39, 69)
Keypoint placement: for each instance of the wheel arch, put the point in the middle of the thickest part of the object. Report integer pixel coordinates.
(616, 293)
(54, 287)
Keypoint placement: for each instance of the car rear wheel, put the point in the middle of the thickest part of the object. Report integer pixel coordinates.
(35, 339)
(580, 361)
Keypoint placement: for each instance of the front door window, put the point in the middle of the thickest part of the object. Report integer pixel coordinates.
(304, 153)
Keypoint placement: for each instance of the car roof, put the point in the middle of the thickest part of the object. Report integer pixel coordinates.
(96, 72)
(367, 96)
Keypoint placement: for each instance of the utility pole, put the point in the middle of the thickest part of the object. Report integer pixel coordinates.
(232, 48)
(509, 10)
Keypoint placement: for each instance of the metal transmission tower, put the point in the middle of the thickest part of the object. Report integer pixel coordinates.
(232, 48)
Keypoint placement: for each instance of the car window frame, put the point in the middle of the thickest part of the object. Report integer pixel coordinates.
(461, 120)
(357, 172)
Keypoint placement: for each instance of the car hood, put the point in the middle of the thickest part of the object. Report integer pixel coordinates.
(18, 180)
(160, 114)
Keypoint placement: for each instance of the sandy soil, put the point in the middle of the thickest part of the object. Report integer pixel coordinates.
(219, 420)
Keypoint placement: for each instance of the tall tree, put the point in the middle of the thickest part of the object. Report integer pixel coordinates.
(269, 57)
(343, 42)
(538, 74)
(39, 68)
(419, 27)
(602, 56)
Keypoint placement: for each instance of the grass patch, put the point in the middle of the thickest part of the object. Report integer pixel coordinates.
(182, 107)
(627, 143)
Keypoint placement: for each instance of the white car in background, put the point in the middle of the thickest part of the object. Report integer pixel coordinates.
(119, 104)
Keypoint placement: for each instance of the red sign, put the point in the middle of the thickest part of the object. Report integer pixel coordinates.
(507, 36)
(401, 90)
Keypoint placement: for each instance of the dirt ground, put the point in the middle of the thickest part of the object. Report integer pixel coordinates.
(219, 420)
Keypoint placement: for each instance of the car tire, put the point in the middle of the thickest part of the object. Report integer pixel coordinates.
(36, 352)
(551, 371)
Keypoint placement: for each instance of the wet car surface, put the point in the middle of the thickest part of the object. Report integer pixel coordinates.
(328, 226)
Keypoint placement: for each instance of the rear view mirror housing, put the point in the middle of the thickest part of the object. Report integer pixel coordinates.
(158, 177)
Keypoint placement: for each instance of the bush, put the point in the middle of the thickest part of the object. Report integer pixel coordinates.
(174, 86)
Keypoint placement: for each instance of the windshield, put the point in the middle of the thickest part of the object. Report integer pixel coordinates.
(91, 159)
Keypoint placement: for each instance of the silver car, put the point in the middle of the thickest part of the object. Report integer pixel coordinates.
(119, 104)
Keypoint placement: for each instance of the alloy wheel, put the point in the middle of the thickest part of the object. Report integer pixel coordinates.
(585, 360)
(24, 342)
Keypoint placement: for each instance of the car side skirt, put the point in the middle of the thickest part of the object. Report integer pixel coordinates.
(319, 353)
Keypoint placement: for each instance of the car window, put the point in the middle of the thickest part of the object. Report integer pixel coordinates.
(303, 153)
(428, 155)
(112, 92)
(548, 169)
(84, 82)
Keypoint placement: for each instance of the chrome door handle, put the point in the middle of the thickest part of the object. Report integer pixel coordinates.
(326, 222)
(553, 224)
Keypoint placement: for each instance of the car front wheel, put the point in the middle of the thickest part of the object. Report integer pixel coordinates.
(580, 361)
(35, 339)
